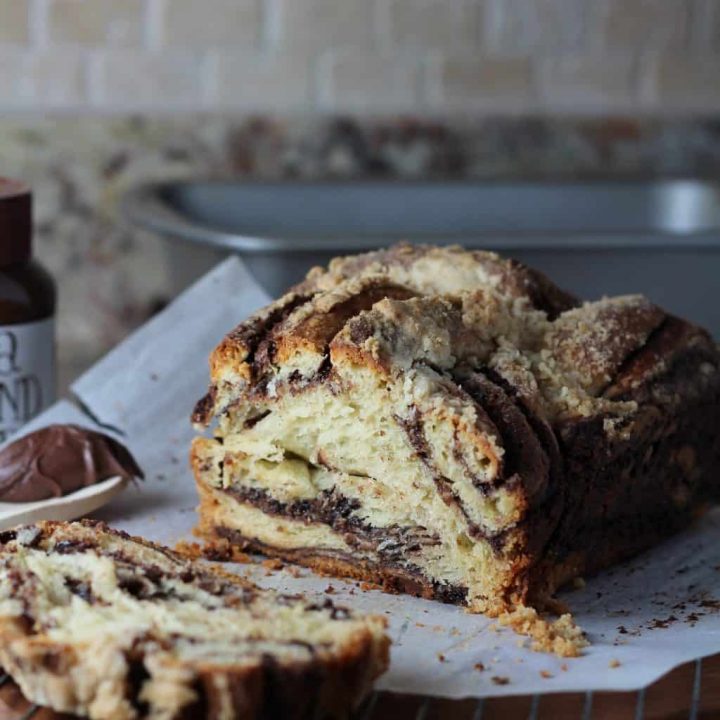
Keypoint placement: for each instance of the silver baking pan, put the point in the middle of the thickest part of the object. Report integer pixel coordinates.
(660, 238)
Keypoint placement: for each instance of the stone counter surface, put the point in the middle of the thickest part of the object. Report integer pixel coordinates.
(112, 277)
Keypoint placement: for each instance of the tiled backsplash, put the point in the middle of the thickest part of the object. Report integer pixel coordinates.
(425, 57)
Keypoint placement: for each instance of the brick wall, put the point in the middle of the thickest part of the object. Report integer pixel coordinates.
(362, 56)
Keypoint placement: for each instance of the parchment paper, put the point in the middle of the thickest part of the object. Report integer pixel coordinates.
(649, 615)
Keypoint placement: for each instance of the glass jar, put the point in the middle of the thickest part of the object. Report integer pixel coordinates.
(27, 315)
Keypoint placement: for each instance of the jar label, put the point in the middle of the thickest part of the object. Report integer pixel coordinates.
(27, 372)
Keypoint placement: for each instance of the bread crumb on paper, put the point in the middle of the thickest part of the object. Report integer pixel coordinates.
(273, 564)
(215, 550)
(562, 636)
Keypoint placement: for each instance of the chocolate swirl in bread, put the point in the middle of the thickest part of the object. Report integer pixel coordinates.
(97, 623)
(462, 399)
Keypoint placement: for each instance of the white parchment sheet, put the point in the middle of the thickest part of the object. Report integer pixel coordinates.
(649, 615)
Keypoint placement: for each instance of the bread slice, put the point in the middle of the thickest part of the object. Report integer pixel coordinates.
(450, 424)
(100, 624)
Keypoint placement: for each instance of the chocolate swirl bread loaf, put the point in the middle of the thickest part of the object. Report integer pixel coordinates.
(450, 424)
(99, 624)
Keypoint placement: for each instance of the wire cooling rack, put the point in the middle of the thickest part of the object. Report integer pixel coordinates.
(691, 691)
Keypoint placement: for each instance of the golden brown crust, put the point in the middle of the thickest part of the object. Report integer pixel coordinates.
(450, 269)
(231, 360)
(400, 272)
(487, 363)
(593, 341)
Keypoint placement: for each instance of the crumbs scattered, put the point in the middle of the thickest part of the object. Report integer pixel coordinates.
(546, 674)
(479, 666)
(273, 564)
(658, 624)
(618, 613)
(420, 625)
(441, 657)
(564, 667)
(215, 550)
(614, 663)
(329, 590)
(562, 636)
(500, 680)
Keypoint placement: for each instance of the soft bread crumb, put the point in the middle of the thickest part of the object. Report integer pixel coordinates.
(614, 663)
(562, 636)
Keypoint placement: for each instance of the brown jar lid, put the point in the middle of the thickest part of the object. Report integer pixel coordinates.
(15, 222)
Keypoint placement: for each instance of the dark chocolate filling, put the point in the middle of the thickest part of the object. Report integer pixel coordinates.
(414, 431)
(337, 511)
(254, 334)
(81, 588)
(251, 334)
(401, 577)
(61, 459)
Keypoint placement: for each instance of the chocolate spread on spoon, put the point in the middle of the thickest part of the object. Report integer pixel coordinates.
(60, 459)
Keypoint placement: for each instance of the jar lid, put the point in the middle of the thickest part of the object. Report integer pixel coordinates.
(15, 222)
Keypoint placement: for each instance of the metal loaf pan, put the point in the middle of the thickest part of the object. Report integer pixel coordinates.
(659, 238)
